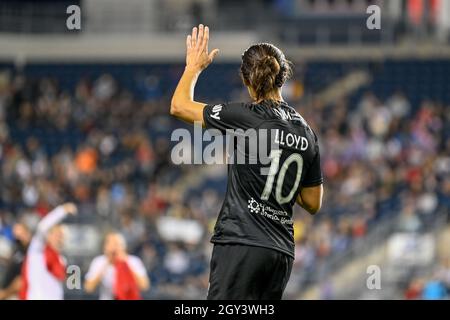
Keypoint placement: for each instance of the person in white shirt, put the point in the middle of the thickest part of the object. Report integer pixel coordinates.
(44, 268)
(120, 276)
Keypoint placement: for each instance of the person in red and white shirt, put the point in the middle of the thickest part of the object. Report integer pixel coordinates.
(44, 268)
(121, 276)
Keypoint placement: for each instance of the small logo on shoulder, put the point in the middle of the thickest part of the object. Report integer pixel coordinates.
(215, 111)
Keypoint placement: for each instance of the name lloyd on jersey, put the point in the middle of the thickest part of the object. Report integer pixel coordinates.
(291, 140)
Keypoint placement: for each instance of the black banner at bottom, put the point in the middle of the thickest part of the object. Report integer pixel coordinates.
(226, 310)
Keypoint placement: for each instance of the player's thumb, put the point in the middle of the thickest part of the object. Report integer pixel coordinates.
(213, 54)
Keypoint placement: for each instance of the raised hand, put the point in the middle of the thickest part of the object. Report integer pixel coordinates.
(70, 208)
(197, 56)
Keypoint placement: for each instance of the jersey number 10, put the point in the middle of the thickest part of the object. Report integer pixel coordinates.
(275, 156)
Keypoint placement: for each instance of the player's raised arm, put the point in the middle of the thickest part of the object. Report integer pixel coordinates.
(198, 58)
(54, 217)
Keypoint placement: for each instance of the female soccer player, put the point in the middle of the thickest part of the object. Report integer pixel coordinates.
(253, 237)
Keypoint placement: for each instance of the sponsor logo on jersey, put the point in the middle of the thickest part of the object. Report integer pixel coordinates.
(288, 115)
(268, 212)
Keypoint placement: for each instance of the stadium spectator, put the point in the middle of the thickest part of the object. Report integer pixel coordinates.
(43, 270)
(12, 280)
(414, 290)
(434, 289)
(120, 276)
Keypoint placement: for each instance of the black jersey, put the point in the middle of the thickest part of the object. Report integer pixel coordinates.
(261, 191)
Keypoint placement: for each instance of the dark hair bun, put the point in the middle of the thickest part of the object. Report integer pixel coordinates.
(264, 74)
(264, 68)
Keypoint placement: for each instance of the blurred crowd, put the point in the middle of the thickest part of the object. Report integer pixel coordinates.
(435, 286)
(109, 152)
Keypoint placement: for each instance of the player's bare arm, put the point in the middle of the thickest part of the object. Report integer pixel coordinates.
(12, 289)
(142, 281)
(310, 198)
(91, 284)
(198, 58)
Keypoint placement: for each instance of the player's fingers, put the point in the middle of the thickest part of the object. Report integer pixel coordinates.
(188, 42)
(205, 39)
(194, 36)
(200, 36)
(213, 54)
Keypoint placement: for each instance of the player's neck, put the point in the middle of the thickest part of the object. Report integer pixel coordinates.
(274, 96)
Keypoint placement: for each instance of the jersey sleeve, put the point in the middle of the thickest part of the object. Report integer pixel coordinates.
(95, 268)
(230, 116)
(49, 221)
(313, 176)
(137, 266)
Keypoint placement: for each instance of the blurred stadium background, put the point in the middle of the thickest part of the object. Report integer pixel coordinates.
(84, 117)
